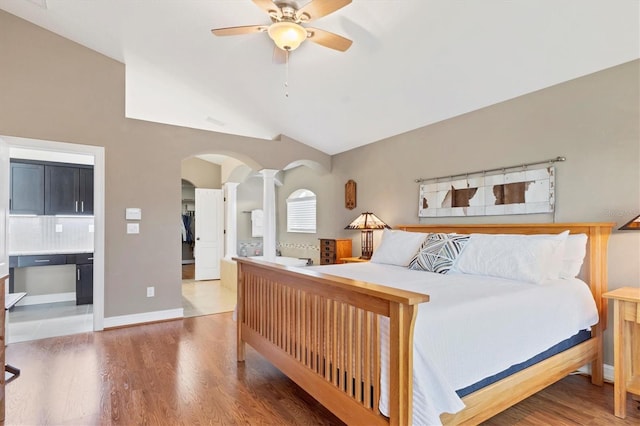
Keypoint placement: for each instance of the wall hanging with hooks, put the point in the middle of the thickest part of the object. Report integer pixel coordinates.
(519, 189)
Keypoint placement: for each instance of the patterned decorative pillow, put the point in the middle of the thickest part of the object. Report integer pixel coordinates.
(438, 252)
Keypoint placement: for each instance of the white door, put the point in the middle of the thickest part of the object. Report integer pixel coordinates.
(4, 208)
(208, 232)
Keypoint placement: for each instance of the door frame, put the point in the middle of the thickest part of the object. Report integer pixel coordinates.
(98, 208)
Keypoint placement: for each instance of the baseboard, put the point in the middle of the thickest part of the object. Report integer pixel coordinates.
(608, 371)
(133, 319)
(47, 298)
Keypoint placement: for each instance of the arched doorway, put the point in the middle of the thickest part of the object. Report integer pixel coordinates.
(204, 295)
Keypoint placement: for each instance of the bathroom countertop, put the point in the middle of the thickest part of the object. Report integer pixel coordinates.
(44, 252)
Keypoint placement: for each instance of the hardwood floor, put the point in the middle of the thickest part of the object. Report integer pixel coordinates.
(189, 271)
(173, 373)
(184, 372)
(572, 401)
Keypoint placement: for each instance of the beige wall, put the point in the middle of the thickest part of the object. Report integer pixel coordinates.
(58, 279)
(54, 89)
(249, 197)
(593, 121)
(201, 173)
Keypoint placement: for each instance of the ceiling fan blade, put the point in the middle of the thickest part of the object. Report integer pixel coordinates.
(268, 6)
(279, 55)
(319, 8)
(248, 29)
(327, 39)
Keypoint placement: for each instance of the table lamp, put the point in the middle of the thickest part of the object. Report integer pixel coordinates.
(367, 222)
(632, 225)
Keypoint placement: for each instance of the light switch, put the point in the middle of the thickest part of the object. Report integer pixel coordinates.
(132, 213)
(133, 228)
(58, 227)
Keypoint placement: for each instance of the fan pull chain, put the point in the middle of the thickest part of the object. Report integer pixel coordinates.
(286, 77)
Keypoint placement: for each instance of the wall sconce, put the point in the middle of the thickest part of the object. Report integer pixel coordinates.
(367, 222)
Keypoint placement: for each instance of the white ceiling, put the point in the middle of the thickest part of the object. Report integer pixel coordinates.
(412, 62)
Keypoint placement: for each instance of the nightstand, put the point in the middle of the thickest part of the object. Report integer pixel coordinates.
(626, 345)
(331, 250)
(352, 260)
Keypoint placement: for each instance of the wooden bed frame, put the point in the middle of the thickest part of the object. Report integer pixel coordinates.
(322, 332)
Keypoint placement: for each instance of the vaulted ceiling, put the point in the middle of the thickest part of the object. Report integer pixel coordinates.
(412, 62)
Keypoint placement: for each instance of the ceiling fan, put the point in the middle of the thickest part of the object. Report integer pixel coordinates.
(286, 29)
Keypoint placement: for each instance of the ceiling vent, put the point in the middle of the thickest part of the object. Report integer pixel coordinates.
(39, 3)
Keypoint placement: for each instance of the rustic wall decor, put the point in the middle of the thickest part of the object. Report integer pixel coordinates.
(350, 194)
(515, 192)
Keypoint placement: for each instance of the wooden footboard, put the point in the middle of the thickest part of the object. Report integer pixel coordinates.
(323, 332)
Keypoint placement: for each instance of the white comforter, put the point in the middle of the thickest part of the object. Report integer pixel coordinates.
(473, 327)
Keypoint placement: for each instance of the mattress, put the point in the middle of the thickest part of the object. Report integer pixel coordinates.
(572, 341)
(473, 327)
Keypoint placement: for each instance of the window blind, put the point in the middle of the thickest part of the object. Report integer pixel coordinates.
(301, 214)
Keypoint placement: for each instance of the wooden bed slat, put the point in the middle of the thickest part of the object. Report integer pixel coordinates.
(338, 355)
(367, 361)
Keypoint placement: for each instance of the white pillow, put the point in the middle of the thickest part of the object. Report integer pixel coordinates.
(575, 250)
(398, 247)
(529, 258)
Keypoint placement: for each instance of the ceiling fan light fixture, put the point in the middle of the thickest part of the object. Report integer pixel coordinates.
(287, 35)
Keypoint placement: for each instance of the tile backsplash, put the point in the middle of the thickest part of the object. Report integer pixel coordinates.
(305, 251)
(253, 247)
(50, 234)
(250, 247)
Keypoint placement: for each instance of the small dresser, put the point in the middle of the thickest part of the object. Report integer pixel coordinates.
(332, 250)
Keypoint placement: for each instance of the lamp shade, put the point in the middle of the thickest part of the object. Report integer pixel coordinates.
(367, 220)
(287, 35)
(366, 223)
(632, 225)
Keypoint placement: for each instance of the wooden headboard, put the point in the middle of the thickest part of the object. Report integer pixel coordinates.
(594, 268)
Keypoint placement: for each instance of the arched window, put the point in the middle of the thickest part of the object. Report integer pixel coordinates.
(301, 211)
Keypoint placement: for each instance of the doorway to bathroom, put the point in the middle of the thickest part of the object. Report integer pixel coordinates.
(202, 240)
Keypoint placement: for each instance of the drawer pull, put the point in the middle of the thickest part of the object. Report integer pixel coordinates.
(42, 260)
(78, 273)
(76, 207)
(90, 258)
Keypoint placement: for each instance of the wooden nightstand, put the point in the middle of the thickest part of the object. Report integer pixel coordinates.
(352, 260)
(331, 250)
(626, 345)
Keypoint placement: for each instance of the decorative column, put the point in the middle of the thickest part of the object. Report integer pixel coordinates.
(269, 212)
(230, 220)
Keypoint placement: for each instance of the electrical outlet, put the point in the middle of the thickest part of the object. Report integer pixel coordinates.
(151, 291)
